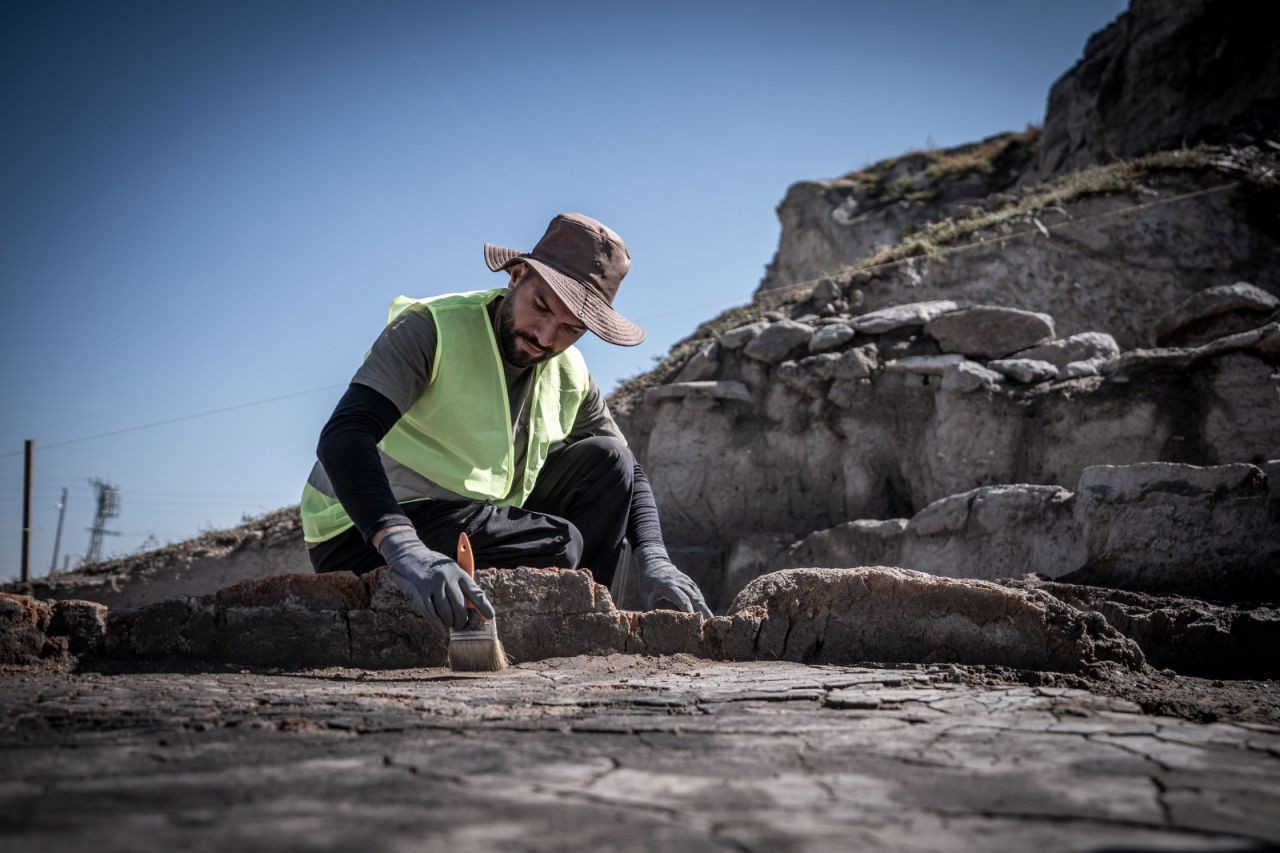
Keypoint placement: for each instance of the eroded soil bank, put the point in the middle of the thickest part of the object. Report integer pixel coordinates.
(628, 752)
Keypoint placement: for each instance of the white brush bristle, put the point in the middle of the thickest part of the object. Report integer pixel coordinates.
(477, 649)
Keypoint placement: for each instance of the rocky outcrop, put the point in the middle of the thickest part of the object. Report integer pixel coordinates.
(262, 547)
(1111, 249)
(1211, 532)
(882, 425)
(1165, 73)
(991, 532)
(1155, 527)
(850, 217)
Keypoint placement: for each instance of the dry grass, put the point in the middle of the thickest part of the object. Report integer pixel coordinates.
(978, 159)
(939, 165)
(1118, 177)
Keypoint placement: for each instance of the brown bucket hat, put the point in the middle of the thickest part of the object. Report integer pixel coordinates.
(583, 261)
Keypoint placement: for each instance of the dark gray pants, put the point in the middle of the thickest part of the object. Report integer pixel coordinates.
(576, 517)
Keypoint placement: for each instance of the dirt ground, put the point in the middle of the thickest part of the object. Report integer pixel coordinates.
(635, 753)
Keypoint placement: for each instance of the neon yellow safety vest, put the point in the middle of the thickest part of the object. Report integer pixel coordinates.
(459, 434)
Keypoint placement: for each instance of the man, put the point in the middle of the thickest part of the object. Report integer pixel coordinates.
(473, 411)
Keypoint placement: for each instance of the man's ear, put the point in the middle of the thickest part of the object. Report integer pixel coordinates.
(517, 272)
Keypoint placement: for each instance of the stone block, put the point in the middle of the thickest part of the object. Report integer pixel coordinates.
(777, 340)
(1263, 340)
(1025, 370)
(923, 365)
(733, 637)
(338, 591)
(395, 639)
(552, 613)
(1078, 369)
(945, 515)
(1116, 484)
(901, 316)
(964, 376)
(177, 627)
(599, 633)
(1164, 528)
(541, 613)
(807, 374)
(669, 632)
(728, 389)
(285, 636)
(24, 622)
(536, 591)
(703, 365)
(994, 532)
(83, 623)
(1241, 409)
(989, 331)
(857, 363)
(528, 637)
(1213, 313)
(831, 337)
(826, 290)
(741, 336)
(1085, 346)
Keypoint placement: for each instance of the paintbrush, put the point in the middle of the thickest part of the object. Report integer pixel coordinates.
(475, 648)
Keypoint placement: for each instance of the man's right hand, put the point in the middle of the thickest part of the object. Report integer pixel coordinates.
(436, 585)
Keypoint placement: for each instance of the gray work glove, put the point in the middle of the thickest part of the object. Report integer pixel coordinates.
(659, 580)
(436, 585)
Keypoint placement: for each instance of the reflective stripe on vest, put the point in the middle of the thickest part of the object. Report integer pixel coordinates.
(459, 432)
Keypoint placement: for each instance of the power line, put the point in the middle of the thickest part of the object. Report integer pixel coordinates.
(182, 418)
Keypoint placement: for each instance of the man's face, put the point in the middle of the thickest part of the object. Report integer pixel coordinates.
(533, 324)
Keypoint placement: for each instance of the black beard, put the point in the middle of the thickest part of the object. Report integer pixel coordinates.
(507, 336)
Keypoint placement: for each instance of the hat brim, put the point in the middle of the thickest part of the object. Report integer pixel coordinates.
(596, 314)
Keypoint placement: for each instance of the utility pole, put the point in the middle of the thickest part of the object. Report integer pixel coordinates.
(28, 452)
(57, 539)
(108, 507)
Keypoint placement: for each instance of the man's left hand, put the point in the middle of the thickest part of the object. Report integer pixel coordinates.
(660, 580)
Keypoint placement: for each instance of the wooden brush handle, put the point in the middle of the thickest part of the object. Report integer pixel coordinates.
(467, 559)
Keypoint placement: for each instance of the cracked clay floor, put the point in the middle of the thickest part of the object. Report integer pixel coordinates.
(617, 753)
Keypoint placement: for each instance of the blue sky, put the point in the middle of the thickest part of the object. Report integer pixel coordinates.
(207, 204)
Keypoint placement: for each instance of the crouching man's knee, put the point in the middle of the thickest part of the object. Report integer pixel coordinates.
(606, 455)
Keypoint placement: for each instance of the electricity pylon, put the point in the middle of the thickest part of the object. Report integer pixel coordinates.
(108, 507)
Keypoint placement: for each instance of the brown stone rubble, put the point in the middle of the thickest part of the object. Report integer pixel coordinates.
(32, 630)
(803, 615)
(1191, 636)
(819, 616)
